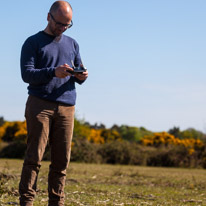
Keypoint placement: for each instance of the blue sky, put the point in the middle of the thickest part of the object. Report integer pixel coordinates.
(146, 60)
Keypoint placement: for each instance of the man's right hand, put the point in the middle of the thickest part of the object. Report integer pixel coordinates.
(63, 71)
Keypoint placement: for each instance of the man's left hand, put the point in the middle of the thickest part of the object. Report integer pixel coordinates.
(81, 76)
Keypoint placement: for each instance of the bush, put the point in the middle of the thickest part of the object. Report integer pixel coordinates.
(122, 152)
(174, 156)
(166, 156)
(14, 150)
(115, 152)
(84, 151)
(203, 158)
(13, 131)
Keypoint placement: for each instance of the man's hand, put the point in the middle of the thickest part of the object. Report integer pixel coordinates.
(63, 71)
(81, 76)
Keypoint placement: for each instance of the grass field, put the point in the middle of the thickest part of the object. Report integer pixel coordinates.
(91, 184)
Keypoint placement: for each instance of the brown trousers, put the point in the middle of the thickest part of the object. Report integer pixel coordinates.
(46, 121)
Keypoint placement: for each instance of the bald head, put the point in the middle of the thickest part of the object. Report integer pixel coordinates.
(59, 18)
(60, 7)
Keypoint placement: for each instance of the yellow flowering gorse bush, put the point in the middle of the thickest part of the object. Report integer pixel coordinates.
(164, 138)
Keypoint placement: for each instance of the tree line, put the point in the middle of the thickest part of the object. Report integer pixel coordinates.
(117, 145)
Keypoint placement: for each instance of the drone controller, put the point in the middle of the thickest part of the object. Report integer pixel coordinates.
(80, 69)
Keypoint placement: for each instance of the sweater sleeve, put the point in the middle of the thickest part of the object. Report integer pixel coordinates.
(77, 61)
(29, 73)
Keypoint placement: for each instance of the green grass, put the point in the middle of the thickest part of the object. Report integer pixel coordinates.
(93, 184)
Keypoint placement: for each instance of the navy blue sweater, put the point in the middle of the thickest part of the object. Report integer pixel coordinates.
(40, 54)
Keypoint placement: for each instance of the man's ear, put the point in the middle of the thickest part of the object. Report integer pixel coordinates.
(48, 17)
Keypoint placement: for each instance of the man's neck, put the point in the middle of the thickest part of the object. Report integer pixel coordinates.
(47, 30)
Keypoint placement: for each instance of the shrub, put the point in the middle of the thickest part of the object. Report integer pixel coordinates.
(166, 139)
(203, 158)
(13, 131)
(14, 150)
(95, 136)
(84, 151)
(122, 152)
(172, 156)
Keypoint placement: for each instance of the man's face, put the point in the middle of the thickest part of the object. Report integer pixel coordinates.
(59, 23)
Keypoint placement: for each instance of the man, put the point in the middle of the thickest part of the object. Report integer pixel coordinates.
(47, 60)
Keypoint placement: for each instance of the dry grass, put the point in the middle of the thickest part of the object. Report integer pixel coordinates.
(92, 184)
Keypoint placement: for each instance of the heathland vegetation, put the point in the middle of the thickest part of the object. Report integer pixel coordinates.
(112, 185)
(117, 145)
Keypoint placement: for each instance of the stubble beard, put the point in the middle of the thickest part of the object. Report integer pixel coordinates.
(55, 31)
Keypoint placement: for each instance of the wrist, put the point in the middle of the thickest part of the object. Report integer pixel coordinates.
(54, 72)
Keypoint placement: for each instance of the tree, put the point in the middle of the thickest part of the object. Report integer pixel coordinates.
(98, 126)
(1, 121)
(132, 134)
(192, 134)
(175, 131)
